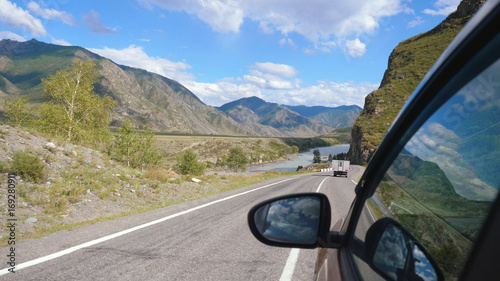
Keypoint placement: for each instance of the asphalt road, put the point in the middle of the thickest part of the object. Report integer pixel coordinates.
(206, 239)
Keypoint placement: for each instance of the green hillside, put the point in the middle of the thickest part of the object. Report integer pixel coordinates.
(24, 64)
(408, 63)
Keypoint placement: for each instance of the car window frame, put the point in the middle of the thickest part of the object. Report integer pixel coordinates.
(471, 52)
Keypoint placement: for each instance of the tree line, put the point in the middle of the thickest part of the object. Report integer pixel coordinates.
(317, 156)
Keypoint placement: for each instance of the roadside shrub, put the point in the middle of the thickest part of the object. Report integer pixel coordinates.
(188, 164)
(18, 112)
(236, 160)
(27, 166)
(58, 205)
(135, 147)
(157, 174)
(4, 167)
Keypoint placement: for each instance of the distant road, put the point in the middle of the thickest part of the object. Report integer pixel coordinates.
(206, 239)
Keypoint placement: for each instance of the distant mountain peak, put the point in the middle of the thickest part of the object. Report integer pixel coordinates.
(252, 103)
(273, 118)
(335, 117)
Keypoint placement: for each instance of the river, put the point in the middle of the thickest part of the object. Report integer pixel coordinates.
(303, 159)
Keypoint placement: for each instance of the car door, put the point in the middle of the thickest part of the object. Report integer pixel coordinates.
(443, 183)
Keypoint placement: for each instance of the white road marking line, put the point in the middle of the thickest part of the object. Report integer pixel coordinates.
(317, 190)
(290, 265)
(410, 212)
(126, 231)
(370, 212)
(367, 208)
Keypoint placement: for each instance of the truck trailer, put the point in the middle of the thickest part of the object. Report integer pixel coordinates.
(340, 167)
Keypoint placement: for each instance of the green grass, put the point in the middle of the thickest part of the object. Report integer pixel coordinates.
(375, 210)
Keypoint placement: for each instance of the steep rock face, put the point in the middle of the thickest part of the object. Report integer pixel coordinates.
(408, 63)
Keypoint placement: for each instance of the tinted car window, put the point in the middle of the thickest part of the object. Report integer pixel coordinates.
(442, 184)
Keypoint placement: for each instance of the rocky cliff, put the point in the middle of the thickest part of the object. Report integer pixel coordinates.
(408, 63)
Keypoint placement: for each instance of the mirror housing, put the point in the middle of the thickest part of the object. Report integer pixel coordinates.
(297, 221)
(395, 254)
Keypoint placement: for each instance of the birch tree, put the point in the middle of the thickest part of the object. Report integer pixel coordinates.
(73, 110)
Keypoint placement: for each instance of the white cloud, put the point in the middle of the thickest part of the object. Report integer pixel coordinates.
(355, 48)
(261, 82)
(415, 22)
(12, 36)
(135, 56)
(264, 26)
(92, 20)
(329, 93)
(318, 21)
(329, 44)
(52, 14)
(280, 84)
(222, 92)
(270, 75)
(277, 69)
(16, 17)
(289, 42)
(443, 8)
(270, 81)
(221, 15)
(326, 93)
(60, 42)
(309, 51)
(321, 47)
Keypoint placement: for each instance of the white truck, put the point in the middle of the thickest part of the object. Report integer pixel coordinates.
(340, 167)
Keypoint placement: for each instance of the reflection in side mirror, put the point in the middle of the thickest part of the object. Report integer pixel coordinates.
(422, 265)
(293, 220)
(296, 220)
(395, 254)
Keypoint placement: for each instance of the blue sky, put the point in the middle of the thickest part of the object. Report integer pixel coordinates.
(296, 52)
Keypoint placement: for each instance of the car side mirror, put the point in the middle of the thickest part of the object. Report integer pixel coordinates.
(298, 220)
(396, 255)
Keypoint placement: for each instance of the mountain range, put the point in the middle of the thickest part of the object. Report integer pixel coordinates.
(336, 117)
(160, 103)
(271, 118)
